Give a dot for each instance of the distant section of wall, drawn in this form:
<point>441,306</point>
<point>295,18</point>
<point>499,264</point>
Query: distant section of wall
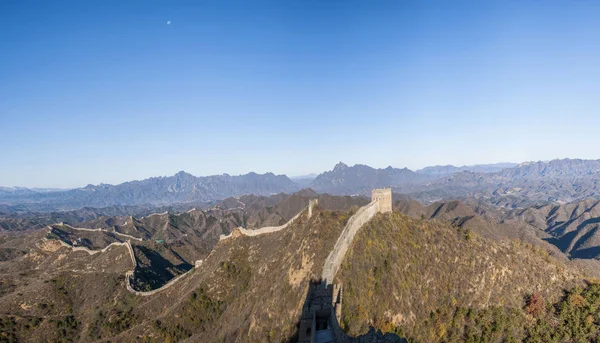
<point>336,256</point>
<point>130,248</point>
<point>270,229</point>
<point>197,264</point>
<point>90,251</point>
<point>130,274</point>
<point>93,252</point>
<point>129,277</point>
<point>312,203</point>
<point>100,230</point>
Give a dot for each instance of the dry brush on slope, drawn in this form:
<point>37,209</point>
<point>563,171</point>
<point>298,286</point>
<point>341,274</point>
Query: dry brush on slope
<point>434,282</point>
<point>401,271</point>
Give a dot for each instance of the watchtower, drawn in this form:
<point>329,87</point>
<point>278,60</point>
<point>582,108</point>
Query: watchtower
<point>383,198</point>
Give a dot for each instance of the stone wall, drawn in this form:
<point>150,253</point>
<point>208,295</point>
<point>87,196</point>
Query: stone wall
<point>323,305</point>
<point>270,229</point>
<point>129,276</point>
<point>312,203</point>
<point>90,251</point>
<point>381,201</point>
<point>130,248</point>
<point>336,256</point>
<point>100,230</point>
<point>382,196</point>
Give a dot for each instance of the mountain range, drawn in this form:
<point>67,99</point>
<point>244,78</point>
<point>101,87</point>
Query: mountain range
<point>503,184</point>
<point>179,188</point>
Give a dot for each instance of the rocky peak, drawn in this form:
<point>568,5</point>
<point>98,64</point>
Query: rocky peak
<point>339,167</point>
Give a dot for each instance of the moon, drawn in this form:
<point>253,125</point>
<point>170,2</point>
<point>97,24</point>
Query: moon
<point>168,22</point>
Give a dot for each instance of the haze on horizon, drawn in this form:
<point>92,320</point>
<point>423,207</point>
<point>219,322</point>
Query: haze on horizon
<point>107,92</point>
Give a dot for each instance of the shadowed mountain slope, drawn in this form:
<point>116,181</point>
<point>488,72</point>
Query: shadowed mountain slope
<point>573,227</point>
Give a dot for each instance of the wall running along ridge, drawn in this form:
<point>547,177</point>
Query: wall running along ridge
<point>93,252</point>
<point>327,297</point>
<point>101,230</point>
<point>336,256</point>
<point>270,229</point>
<point>130,274</point>
<point>256,232</point>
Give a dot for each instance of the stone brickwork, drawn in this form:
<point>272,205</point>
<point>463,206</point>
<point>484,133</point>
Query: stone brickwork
<point>381,202</point>
<point>336,256</point>
<point>383,197</point>
<point>321,315</point>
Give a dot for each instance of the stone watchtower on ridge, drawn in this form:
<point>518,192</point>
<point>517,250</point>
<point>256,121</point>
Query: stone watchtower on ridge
<point>383,198</point>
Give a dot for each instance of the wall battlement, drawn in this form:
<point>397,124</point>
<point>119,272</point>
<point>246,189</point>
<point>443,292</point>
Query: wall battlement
<point>383,198</point>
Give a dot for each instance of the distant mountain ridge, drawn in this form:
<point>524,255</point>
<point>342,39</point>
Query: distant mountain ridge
<point>526,184</point>
<point>562,181</point>
<point>179,188</point>
<point>361,178</point>
<point>478,168</point>
<point>502,184</point>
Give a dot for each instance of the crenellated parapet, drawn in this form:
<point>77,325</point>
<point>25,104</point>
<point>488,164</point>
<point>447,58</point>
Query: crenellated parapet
<point>383,198</point>
<point>269,229</point>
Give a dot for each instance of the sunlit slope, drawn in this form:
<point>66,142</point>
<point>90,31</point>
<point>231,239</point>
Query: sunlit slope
<point>399,271</point>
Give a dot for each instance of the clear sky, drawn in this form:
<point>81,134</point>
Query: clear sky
<point>110,91</point>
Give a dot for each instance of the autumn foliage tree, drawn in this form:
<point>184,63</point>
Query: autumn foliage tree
<point>535,304</point>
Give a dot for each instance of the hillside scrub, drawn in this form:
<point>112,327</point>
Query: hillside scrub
<point>250,289</point>
<point>425,279</point>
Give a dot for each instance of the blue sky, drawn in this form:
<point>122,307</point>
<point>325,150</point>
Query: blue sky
<point>107,91</point>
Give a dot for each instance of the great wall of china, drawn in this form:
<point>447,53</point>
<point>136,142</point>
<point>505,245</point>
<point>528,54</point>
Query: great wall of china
<point>322,310</point>
<point>321,313</point>
<point>270,229</point>
<point>381,202</point>
<point>91,251</point>
<point>130,274</point>
<point>101,230</point>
